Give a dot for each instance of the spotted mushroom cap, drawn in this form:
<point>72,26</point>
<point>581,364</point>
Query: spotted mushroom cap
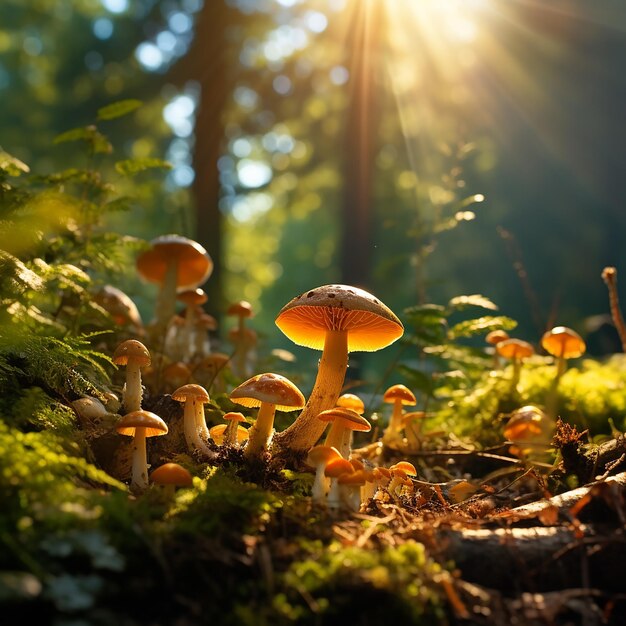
<point>562,341</point>
<point>399,392</point>
<point>270,388</point>
<point>153,424</point>
<point>371,325</point>
<point>131,349</point>
<point>194,263</point>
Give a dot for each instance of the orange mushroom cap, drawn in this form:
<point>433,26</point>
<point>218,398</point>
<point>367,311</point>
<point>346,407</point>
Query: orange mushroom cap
<point>131,350</point>
<point>349,417</point>
<point>514,349</point>
<point>194,263</point>
<point>336,467</point>
<point>370,324</point>
<point>496,336</point>
<point>350,401</point>
<point>119,305</point>
<point>404,466</point>
<point>399,392</point>
<point>191,297</point>
<point>240,309</point>
<point>234,416</point>
<point>153,424</point>
<point>564,342</point>
<point>270,388</point>
<point>322,454</point>
<point>171,474</point>
<point>191,391</point>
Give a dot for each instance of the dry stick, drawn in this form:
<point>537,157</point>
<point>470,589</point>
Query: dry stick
<point>609,275</point>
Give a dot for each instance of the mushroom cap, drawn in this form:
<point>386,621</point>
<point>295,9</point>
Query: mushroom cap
<point>350,401</point>
<point>321,454</point>
<point>153,424</point>
<point>217,433</point>
<point>131,350</point>
<point>270,388</point>
<point>206,321</point>
<point>191,391</point>
<point>336,467</point>
<point>177,370</point>
<point>370,324</point>
<point>171,474</point>
<point>528,423</point>
<point>406,467</point>
<point>194,263</point>
<point>355,478</point>
<point>234,416</point>
<point>514,349</point>
<point>118,305</point>
<point>350,418</point>
<point>399,392</point>
<point>562,341</point>
<point>241,309</point>
<point>192,297</point>
<point>496,336</point>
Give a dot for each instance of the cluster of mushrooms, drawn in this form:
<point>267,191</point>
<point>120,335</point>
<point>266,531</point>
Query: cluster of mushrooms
<point>335,319</point>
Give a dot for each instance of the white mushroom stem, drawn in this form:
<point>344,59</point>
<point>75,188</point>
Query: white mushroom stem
<point>261,431</point>
<point>334,495</point>
<point>395,423</point>
<point>139,471</point>
<point>320,483</point>
<point>133,391</point>
<point>307,429</point>
<point>340,437</point>
<point>166,300</point>
<point>196,431</point>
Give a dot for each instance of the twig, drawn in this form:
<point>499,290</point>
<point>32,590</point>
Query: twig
<point>609,275</point>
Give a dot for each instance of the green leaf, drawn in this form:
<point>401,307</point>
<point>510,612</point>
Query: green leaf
<point>119,205</point>
<point>118,109</point>
<point>130,167</point>
<point>478,326</point>
<point>428,323</point>
<point>11,165</point>
<point>463,302</point>
<point>99,143</point>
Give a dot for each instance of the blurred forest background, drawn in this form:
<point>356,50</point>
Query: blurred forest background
<point>420,149</point>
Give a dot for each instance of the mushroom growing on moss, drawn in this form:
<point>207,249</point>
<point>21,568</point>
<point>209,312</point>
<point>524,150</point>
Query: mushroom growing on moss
<point>269,392</point>
<point>336,319</point>
<point>140,425</point>
<point>563,343</point>
<point>194,398</point>
<point>134,355</point>
<point>170,476</point>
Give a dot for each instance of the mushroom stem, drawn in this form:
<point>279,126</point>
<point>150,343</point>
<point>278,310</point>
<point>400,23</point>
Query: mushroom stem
<point>230,434</point>
<point>132,390</point>
<point>307,429</point>
<point>260,431</point>
<point>320,484</point>
<point>166,300</point>
<point>139,471</point>
<point>395,423</point>
<point>195,427</point>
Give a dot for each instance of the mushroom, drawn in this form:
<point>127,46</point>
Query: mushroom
<point>120,307</point>
<point>231,432</point>
<point>218,434</point>
<point>400,473</point>
<point>134,355</point>
<point>269,392</point>
<point>318,457</point>
<point>170,476</point>
<point>530,430</point>
<point>351,401</point>
<point>201,339</point>
<point>194,425</point>
<point>344,422</point>
<point>193,299</point>
<point>494,338</point>
<point>399,396</point>
<point>173,262</point>
<point>335,468</point>
<point>175,375</point>
<point>350,485</point>
<point>140,425</point>
<point>563,343</point>
<point>412,423</point>
<point>336,319</point>
<point>209,371</point>
<point>517,350</point>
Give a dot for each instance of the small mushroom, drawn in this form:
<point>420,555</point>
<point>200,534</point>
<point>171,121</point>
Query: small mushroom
<point>194,398</point>
<point>343,423</point>
<point>530,431</point>
<point>140,425</point>
<point>517,350</point>
<point>350,485</point>
<point>400,473</point>
<point>351,401</point>
<point>218,434</point>
<point>193,299</point>
<point>318,457</point>
<point>209,371</point>
<point>336,319</point>
<point>120,307</point>
<point>493,339</point>
<point>173,262</point>
<point>399,396</point>
<point>563,343</point>
<point>175,375</point>
<point>170,476</point>
<point>269,392</point>
<point>134,355</point>
<point>334,469</point>
<point>234,418</point>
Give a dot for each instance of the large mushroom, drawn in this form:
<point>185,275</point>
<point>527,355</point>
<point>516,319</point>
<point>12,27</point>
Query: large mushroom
<point>140,425</point>
<point>194,398</point>
<point>173,262</point>
<point>269,392</point>
<point>336,319</point>
<point>134,355</point>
